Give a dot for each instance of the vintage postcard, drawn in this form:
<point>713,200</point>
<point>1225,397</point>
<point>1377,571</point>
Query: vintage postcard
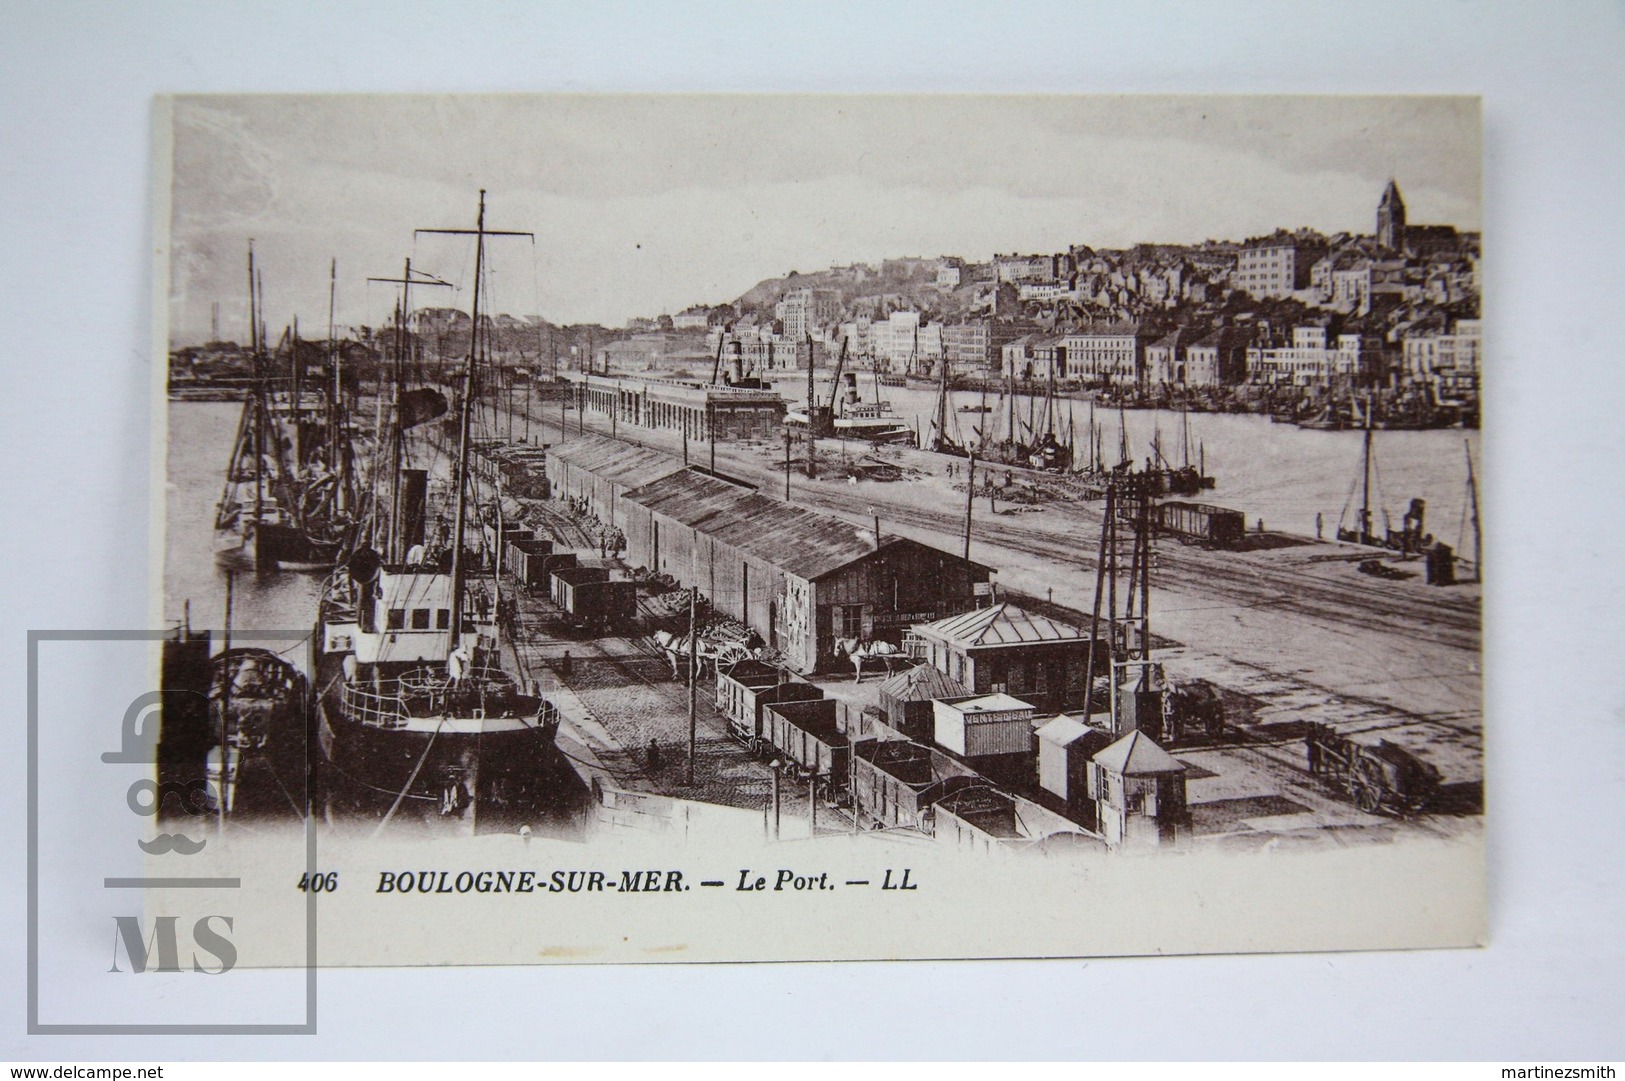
<point>696,528</point>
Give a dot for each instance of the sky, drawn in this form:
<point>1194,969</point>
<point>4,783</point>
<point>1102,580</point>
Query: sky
<point>648,204</point>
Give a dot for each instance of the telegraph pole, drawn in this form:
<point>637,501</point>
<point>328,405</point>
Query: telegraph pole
<point>970,499</point>
<point>693,665</point>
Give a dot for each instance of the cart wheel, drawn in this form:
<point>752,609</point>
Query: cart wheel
<point>1365,799</point>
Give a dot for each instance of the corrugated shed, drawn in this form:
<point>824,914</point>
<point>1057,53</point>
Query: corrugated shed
<point>688,496</point>
<point>1001,625</point>
<point>798,541</point>
<point>921,684</point>
<point>615,461</point>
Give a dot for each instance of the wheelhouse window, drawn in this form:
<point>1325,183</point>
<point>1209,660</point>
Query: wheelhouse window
<point>420,619</point>
<point>396,620</point>
<point>442,620</point>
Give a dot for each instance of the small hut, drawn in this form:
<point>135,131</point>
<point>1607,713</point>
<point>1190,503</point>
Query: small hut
<point>1139,794</point>
<point>905,700</point>
<point>1065,747</point>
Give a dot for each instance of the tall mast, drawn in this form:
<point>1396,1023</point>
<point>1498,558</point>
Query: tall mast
<point>1365,484</point>
<point>942,401</point>
<point>338,457</point>
<point>460,477</point>
<point>1010,405</point>
<point>1472,496</point>
<point>259,388</point>
<point>402,358</point>
<point>811,398</point>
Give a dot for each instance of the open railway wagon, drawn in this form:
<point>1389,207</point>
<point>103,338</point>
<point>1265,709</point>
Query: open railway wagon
<point>1200,523</point>
<point>897,782</point>
<point>1381,777</point>
<point>525,558</point>
<point>553,563</point>
<point>747,687</point>
<point>593,600</point>
<point>805,737</point>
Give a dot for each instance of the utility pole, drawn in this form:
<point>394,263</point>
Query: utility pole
<point>787,465</point>
<point>711,428</point>
<point>225,710</point>
<point>1472,497</point>
<point>970,499</point>
<point>775,767</point>
<point>693,667</point>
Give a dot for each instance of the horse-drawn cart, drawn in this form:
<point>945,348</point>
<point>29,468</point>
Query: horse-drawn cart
<point>1380,777</point>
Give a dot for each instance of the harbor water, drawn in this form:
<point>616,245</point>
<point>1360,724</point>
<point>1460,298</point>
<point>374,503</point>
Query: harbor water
<point>1280,473</point>
<point>200,437</point>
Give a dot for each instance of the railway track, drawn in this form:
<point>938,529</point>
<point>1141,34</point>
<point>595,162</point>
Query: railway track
<point>1243,582</point>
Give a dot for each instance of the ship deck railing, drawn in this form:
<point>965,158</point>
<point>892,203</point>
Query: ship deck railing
<point>427,693</point>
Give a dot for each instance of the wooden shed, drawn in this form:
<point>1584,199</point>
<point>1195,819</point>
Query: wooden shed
<point>799,578</point>
<point>905,700</point>
<point>1065,747</point>
<point>1006,649</point>
<point>1139,794</point>
<point>598,470</point>
<point>991,732</point>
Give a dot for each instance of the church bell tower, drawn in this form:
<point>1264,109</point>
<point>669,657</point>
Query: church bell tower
<point>1391,219</point>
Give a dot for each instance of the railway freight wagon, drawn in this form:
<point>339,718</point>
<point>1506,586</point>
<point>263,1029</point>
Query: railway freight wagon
<point>748,687</point>
<point>1199,523</point>
<point>552,564</point>
<point>526,560</point>
<point>564,580</point>
<point>897,782</point>
<point>805,735</point>
<point>592,600</point>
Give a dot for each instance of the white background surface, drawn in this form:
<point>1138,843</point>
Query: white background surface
<point>75,286</point>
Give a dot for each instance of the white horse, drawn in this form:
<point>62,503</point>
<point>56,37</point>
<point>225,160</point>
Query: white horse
<point>706,652</point>
<point>857,651</point>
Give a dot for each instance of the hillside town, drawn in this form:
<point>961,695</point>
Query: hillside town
<point>884,548</point>
<point>1295,323</point>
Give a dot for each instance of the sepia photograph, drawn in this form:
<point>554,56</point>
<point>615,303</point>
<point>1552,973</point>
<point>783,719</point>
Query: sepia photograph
<point>989,491</point>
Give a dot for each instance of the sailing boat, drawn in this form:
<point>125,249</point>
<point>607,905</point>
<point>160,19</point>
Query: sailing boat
<point>1409,538</point>
<point>289,499</point>
<point>416,704</point>
<point>247,505</point>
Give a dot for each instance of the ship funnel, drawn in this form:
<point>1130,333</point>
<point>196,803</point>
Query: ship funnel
<point>414,501</point>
